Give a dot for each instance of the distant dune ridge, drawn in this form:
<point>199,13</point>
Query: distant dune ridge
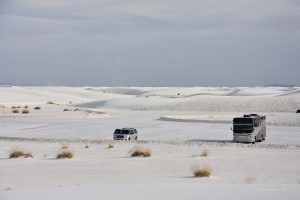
<point>216,99</point>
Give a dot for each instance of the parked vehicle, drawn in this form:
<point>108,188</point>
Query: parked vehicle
<point>249,128</point>
<point>126,134</point>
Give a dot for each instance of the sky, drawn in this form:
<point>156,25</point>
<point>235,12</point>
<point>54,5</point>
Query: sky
<point>150,43</point>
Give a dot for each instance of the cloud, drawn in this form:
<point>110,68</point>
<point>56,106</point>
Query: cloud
<point>157,37</point>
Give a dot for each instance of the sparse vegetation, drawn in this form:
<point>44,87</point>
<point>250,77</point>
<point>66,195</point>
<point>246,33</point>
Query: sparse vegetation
<point>26,106</point>
<point>37,108</point>
<point>66,153</point>
<point>13,107</point>
<point>141,152</point>
<point>110,146</point>
<point>15,110</point>
<point>204,171</point>
<point>25,111</point>
<point>87,146</point>
<point>16,153</point>
<point>67,109</point>
<point>50,102</point>
<point>204,153</point>
<point>76,109</point>
<point>250,179</point>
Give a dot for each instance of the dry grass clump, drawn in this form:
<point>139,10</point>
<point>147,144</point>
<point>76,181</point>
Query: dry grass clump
<point>110,146</point>
<point>50,102</point>
<point>13,107</point>
<point>26,106</point>
<point>76,109</point>
<point>66,109</point>
<point>250,179</point>
<point>15,110</point>
<point>140,151</point>
<point>37,108</point>
<point>16,153</point>
<point>65,154</point>
<point>204,171</point>
<point>25,111</point>
<point>87,146</point>
<point>204,153</point>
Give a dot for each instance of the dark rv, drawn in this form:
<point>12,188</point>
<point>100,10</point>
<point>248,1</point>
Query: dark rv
<point>249,128</point>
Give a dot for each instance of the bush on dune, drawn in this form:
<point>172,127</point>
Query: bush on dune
<point>110,146</point>
<point>204,153</point>
<point>25,111</point>
<point>37,108</point>
<point>65,154</point>
<point>15,110</point>
<point>140,152</point>
<point>16,153</point>
<point>204,171</point>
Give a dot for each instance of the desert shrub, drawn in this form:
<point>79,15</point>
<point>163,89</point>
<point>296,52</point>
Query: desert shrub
<point>204,171</point>
<point>16,153</point>
<point>76,109</point>
<point>140,151</point>
<point>110,146</point>
<point>26,106</point>
<point>25,111</point>
<point>15,110</point>
<point>66,109</point>
<point>65,154</point>
<point>37,108</point>
<point>50,102</point>
<point>250,179</point>
<point>18,106</point>
<point>13,107</point>
<point>204,153</point>
<point>87,146</point>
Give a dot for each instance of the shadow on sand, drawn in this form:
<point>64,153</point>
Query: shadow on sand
<point>209,141</point>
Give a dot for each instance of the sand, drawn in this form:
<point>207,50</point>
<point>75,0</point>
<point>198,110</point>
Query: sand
<point>177,127</point>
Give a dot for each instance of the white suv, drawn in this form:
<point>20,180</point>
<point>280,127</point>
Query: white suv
<point>125,134</point>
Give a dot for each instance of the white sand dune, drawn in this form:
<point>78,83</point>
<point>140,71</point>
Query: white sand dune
<point>216,99</point>
<point>272,166</point>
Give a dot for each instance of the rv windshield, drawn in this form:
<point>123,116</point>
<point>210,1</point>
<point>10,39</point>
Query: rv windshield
<point>242,128</point>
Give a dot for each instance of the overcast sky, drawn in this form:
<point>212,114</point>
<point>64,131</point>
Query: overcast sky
<point>150,42</point>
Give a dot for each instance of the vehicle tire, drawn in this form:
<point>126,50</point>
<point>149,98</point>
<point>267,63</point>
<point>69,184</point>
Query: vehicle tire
<point>129,138</point>
<point>254,141</point>
<point>136,138</point>
<point>262,137</point>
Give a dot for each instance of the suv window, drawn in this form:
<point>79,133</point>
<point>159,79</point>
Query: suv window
<point>125,132</point>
